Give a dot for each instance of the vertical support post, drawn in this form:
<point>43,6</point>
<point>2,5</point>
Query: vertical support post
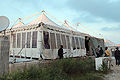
<point>4,56</point>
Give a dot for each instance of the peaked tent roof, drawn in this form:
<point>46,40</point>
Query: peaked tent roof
<point>43,18</point>
<point>19,24</point>
<point>118,44</point>
<point>109,43</point>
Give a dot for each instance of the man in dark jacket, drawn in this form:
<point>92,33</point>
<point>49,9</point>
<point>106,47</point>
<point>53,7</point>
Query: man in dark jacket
<point>60,52</point>
<point>101,51</point>
<point>117,56</point>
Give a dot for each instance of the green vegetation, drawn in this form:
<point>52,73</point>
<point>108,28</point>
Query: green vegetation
<point>104,68</point>
<point>65,69</point>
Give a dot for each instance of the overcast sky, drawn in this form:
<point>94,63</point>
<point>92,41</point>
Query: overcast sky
<point>101,17</point>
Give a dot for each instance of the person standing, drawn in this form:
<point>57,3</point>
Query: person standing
<point>101,51</point>
<point>112,51</point>
<point>97,51</point>
<point>87,39</point>
<point>117,56</point>
<point>60,52</point>
<point>107,53</point>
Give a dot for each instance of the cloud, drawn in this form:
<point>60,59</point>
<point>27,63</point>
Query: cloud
<point>112,36</point>
<point>88,18</point>
<point>107,9</point>
<point>111,28</point>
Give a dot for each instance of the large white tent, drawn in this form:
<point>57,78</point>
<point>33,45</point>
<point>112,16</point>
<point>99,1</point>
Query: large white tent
<point>28,40</point>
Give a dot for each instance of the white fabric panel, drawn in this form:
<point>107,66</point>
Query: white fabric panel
<point>19,24</point>
<point>43,18</point>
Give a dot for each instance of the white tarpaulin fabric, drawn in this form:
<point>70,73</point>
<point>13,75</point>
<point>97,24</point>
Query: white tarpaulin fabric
<point>19,24</point>
<point>43,18</point>
<point>94,42</point>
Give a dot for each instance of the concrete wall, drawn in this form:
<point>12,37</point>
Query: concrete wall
<point>4,56</point>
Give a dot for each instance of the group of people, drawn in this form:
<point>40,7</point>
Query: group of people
<point>100,53</point>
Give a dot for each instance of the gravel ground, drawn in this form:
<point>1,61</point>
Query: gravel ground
<point>115,73</point>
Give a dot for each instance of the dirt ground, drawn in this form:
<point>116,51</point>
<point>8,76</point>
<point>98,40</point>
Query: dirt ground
<point>115,73</point>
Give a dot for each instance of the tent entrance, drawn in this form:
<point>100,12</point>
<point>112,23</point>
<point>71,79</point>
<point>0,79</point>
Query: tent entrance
<point>87,45</point>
